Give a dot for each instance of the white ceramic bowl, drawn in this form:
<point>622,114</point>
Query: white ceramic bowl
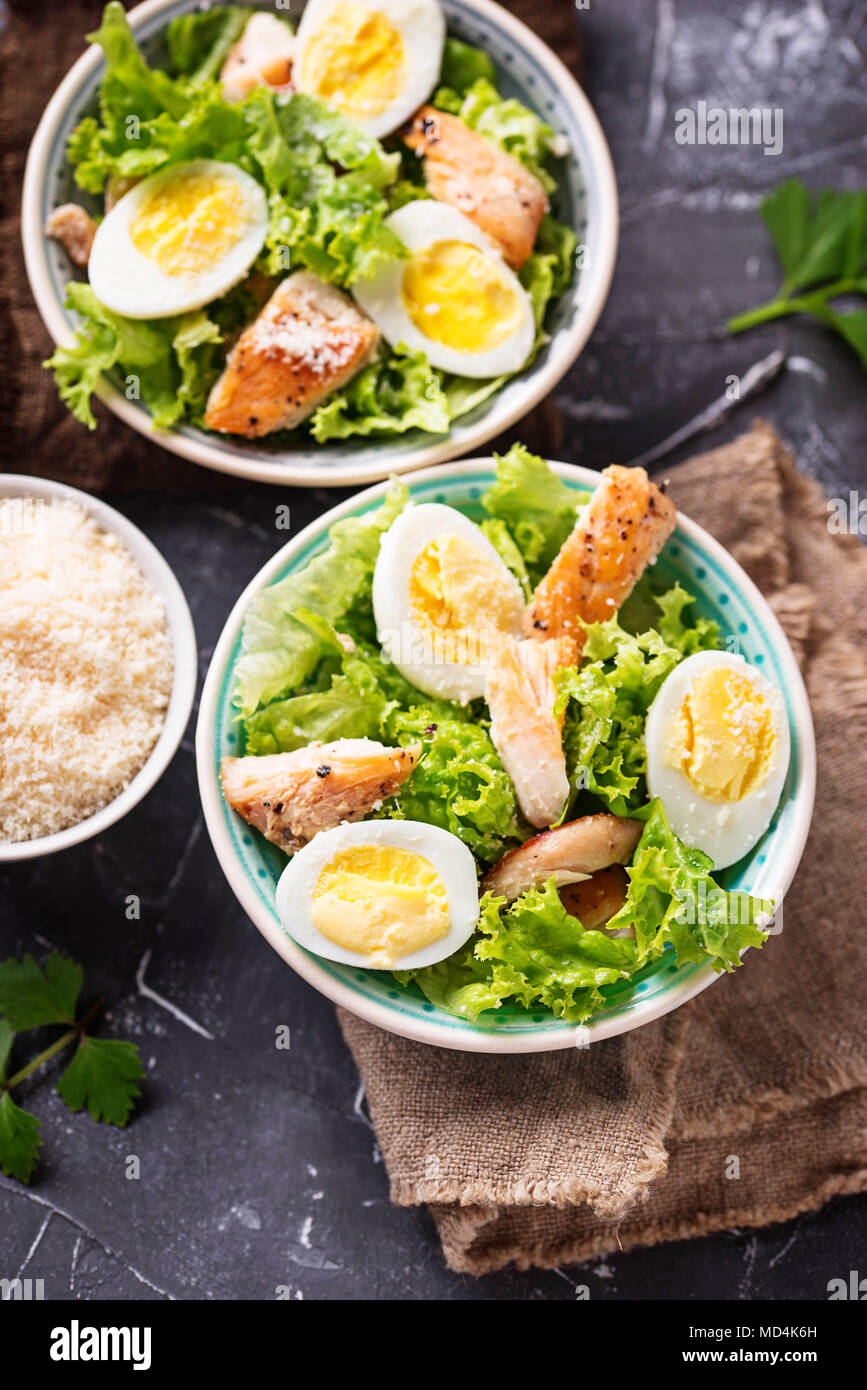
<point>252,866</point>
<point>588,196</point>
<point>162,580</point>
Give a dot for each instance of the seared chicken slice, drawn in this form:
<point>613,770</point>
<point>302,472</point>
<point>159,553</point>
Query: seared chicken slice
<point>621,531</point>
<point>308,341</point>
<point>482,181</point>
<point>290,797</point>
<point>74,229</point>
<point>595,900</point>
<point>568,854</point>
<point>520,695</point>
<point>262,57</point>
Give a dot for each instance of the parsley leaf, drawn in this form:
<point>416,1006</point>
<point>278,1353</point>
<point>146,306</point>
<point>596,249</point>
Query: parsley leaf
<point>7,1034</point>
<point>102,1076</point>
<point>822,245</point>
<point>31,997</point>
<point>19,1139</point>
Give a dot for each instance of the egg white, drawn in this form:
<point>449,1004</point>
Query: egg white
<point>422,27</point>
<point>447,854</point>
<point>404,641</point>
<point>726,830</point>
<point>129,283</point>
<point>419,225</point>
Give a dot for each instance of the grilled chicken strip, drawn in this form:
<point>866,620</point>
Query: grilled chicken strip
<point>482,181</point>
<point>262,56</point>
<point>308,341</point>
<point>290,797</point>
<point>524,731</point>
<point>622,529</point>
<point>568,854</point>
<point>595,901</point>
<point>75,229</point>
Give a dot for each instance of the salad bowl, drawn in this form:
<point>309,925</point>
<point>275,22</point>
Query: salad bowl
<point>723,593</point>
<point>587,202</point>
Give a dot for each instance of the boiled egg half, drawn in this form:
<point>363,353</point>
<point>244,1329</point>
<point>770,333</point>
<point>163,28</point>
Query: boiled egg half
<point>178,240</point>
<point>454,298</point>
<point>439,590</point>
<point>387,895</point>
<point>377,61</point>
<point>717,742</point>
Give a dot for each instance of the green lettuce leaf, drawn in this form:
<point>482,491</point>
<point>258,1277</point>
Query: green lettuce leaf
<point>105,340</point>
<point>168,364</point>
<point>460,783</point>
<point>460,984</point>
<point>398,392</point>
<point>343,239</point>
<point>501,539</point>
<point>194,344</point>
<point>548,270</point>
<point>537,506</point>
<point>464,64</point>
<point>697,634</point>
<point>673,898</point>
<point>612,691</point>
<point>331,223</point>
<point>353,706</point>
<point>463,393</point>
<point>534,953</point>
<point>314,133</point>
<point>199,42</point>
<point>146,117</point>
<point>129,85</point>
<point>279,651</point>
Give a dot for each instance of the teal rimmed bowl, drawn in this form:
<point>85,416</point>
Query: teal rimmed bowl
<point>252,866</point>
<point>586,199</point>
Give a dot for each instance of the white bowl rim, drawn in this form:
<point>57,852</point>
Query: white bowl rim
<point>159,575</point>
<point>540,383</point>
<point>430,1031</point>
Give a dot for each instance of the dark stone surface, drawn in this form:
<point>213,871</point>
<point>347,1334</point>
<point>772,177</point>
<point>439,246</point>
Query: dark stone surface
<point>259,1168</point>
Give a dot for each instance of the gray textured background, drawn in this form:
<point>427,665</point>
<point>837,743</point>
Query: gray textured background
<point>260,1168</point>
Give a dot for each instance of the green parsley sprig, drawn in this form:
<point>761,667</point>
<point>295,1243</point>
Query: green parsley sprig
<point>101,1077</point>
<point>822,245</point>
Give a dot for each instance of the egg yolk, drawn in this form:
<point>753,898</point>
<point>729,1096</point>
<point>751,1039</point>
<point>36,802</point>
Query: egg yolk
<point>459,297</point>
<point>722,737</point>
<point>381,901</point>
<point>189,223</point>
<point>456,594</point>
<point>355,61</point>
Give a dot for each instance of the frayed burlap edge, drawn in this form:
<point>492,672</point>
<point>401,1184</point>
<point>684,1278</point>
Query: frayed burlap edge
<point>542,1255</point>
<point>461,1191</point>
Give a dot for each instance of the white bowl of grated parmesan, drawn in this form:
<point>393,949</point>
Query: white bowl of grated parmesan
<point>98,666</point>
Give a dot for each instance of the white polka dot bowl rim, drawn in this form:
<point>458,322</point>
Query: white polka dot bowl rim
<point>158,574</point>
<point>588,202</point>
<point>252,866</point>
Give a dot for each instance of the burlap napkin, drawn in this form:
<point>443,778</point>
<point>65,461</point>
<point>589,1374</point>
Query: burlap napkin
<point>748,1105</point>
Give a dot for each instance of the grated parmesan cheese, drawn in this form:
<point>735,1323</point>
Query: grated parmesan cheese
<point>86,667</point>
